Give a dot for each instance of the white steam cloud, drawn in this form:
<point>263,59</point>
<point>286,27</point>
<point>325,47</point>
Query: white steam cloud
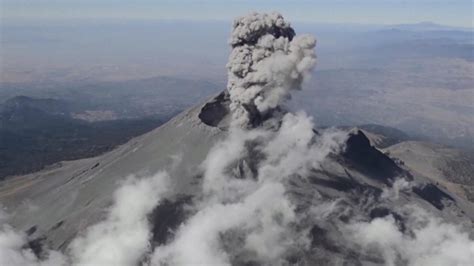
<point>251,205</point>
<point>393,192</point>
<point>431,241</point>
<point>14,251</point>
<point>123,237</point>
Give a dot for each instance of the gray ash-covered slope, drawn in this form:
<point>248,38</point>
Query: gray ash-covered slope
<point>75,194</point>
<point>54,205</point>
<point>450,167</point>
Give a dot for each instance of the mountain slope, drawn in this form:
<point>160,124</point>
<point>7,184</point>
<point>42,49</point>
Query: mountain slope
<point>35,133</point>
<point>56,204</point>
<point>85,187</point>
<point>447,166</point>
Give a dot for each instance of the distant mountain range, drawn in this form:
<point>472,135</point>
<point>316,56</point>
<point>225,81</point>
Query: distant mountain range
<point>428,26</point>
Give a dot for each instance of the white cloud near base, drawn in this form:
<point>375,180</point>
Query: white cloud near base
<point>14,250</point>
<point>429,242</point>
<point>252,206</point>
<point>124,236</point>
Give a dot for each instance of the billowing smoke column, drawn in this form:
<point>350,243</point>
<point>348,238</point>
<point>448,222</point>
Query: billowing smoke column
<point>244,213</point>
<point>267,62</point>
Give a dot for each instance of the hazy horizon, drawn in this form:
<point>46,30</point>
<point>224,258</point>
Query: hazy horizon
<point>453,13</point>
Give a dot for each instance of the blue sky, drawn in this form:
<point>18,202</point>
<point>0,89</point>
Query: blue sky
<point>448,12</point>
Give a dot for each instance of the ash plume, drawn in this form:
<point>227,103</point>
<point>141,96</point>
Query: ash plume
<point>246,174</point>
<point>267,62</point>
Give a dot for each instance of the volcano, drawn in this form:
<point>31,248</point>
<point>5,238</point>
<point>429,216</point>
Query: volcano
<point>244,181</point>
